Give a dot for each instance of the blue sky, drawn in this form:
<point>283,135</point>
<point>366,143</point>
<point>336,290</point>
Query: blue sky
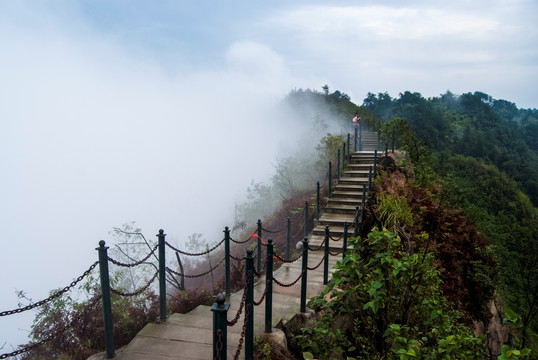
<point>159,112</point>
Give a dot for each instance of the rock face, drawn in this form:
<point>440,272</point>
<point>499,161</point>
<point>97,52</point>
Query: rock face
<point>293,327</point>
<point>497,333</point>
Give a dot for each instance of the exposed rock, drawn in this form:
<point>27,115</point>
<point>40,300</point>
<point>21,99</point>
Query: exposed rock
<point>498,333</point>
<point>293,327</point>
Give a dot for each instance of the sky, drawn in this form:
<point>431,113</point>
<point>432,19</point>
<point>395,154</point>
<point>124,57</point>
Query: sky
<point>161,112</point>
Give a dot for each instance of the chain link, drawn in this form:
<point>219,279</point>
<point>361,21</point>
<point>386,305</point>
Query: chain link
<point>318,247</point>
<point>136,292</point>
<point>336,253</point>
<point>241,305</point>
<point>243,332</point>
<point>336,239</point>
<point>236,258</point>
<point>258,303</point>
<point>193,254</point>
<point>116,262</point>
<point>318,265</point>
<point>196,276</point>
<point>274,231</point>
<point>219,344</point>
<point>288,261</point>
<point>53,296</point>
<point>241,242</point>
<point>290,284</point>
<point>27,348</point>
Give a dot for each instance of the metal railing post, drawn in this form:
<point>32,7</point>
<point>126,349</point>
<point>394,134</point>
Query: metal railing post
<point>249,304</point>
<point>356,229</point>
<point>220,327</point>
<point>338,166</point>
<point>343,157</point>
<point>344,245</point>
<point>330,178</point>
<point>269,286</point>
<point>304,278</point>
<point>305,232</point>
<point>370,178</point>
<point>363,204</point>
<point>317,200</point>
<point>326,257</point>
<point>162,274</point>
<point>259,260</point>
<point>227,259</point>
<point>107,303</point>
<point>288,238</point>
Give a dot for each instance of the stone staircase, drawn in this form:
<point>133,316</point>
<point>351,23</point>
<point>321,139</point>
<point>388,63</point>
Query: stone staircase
<point>190,336</point>
<point>346,196</point>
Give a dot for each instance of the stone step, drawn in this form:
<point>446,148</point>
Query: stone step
<point>336,243</point>
<point>356,195</point>
<point>358,180</point>
<point>335,230</point>
<point>341,209</point>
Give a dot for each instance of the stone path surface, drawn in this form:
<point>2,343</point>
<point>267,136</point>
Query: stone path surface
<point>190,336</point>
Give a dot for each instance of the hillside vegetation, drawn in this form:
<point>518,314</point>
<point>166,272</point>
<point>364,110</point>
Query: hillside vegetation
<point>466,194</point>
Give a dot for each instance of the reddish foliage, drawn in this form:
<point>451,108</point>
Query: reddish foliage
<point>466,269</point>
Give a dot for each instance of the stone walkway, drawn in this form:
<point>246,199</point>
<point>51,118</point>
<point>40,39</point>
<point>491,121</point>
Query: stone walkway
<point>190,336</point>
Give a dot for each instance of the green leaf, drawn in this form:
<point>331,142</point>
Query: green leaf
<point>308,355</point>
<point>376,284</point>
<point>525,351</point>
<point>411,352</point>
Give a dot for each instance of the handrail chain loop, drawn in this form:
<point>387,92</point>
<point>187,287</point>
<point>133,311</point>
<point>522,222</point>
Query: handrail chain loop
<point>193,254</point>
<point>116,262</point>
<point>53,296</point>
<point>136,292</point>
<point>318,265</point>
<point>290,284</point>
<point>198,275</point>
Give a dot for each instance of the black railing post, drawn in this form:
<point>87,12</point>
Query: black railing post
<point>338,166</point>
<point>326,257</point>
<point>370,178</point>
<point>343,157</point>
<point>363,204</point>
<point>259,232</point>
<point>269,286</point>
<point>330,179</point>
<point>317,200</point>
<point>375,163</point>
<point>356,229</point>
<point>227,259</point>
<point>305,232</point>
<point>344,245</point>
<point>107,303</point>
<point>304,276</point>
<point>356,138</point>
<point>288,239</point>
<point>220,327</point>
<point>162,274</point>
<point>249,305</point>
